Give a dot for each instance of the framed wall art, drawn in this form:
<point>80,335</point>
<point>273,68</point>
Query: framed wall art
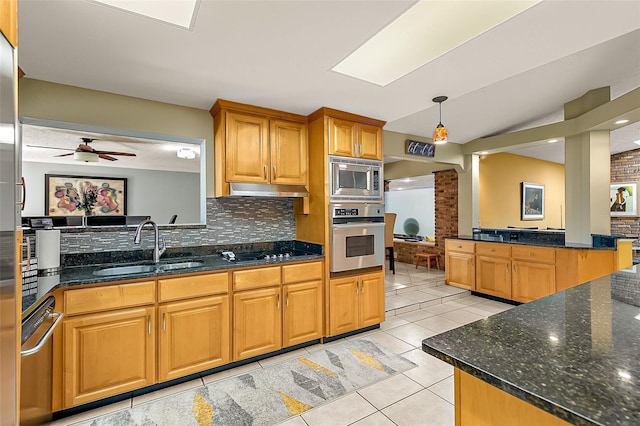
<point>532,201</point>
<point>84,195</point>
<point>622,199</point>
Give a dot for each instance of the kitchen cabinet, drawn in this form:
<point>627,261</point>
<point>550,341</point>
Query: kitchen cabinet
<point>258,145</point>
<point>356,301</point>
<point>302,310</point>
<point>459,263</point>
<point>193,324</point>
<point>257,322</point>
<point>533,273</point>
<point>352,139</point>
<point>9,21</point>
<point>493,269</point>
<point>108,353</point>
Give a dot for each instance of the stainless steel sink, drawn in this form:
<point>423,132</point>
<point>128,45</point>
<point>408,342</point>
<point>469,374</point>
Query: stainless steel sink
<point>179,265</point>
<point>140,269</point>
<point>125,270</point>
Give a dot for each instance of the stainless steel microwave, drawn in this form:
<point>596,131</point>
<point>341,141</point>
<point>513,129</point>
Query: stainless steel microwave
<point>354,179</point>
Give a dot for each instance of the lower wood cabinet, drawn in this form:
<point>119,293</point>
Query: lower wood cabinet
<point>257,322</point>
<point>108,353</point>
<point>302,312</point>
<point>532,281</point>
<point>459,264</point>
<point>355,302</point>
<point>193,336</point>
<point>493,276</point>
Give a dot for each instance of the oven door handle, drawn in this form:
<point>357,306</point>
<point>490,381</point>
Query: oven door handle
<point>358,225</point>
<point>45,336</point>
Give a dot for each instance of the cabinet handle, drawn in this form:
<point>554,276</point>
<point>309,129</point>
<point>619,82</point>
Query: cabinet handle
<point>278,301</point>
<point>357,284</point>
<point>274,172</point>
<point>287,301</point>
<point>164,321</point>
<point>507,268</point>
<point>149,324</point>
<point>361,287</point>
<point>360,153</point>
<point>24,193</point>
<point>264,171</point>
<point>514,268</point>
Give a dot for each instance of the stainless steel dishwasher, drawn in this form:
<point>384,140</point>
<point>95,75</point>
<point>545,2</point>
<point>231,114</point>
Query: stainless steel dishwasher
<point>36,371</point>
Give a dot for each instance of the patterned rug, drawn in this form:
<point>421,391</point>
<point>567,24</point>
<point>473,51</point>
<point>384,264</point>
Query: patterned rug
<point>270,395</point>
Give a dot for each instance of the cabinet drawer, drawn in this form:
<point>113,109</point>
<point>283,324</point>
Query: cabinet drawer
<point>302,272</point>
<point>108,297</point>
<point>535,254</point>
<point>194,286</point>
<point>460,246</point>
<point>256,278</point>
<point>493,249</point>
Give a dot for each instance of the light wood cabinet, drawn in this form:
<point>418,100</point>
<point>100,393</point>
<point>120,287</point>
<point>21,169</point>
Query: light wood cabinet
<point>534,273</point>
<point>355,302</point>
<point>258,145</point>
<point>108,353</point>
<point>257,322</point>
<point>352,139</point>
<point>9,21</point>
<point>493,269</point>
<point>302,313</point>
<point>193,324</point>
<point>459,263</point>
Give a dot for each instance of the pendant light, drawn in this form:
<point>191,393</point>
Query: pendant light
<point>440,132</point>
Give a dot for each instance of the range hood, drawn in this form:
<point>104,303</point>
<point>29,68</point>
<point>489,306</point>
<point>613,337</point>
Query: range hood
<point>264,190</point>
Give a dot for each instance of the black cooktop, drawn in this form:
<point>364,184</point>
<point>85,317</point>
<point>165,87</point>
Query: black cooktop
<point>261,255</point>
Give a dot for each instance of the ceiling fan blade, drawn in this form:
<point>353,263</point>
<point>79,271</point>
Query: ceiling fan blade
<point>85,148</point>
<point>107,157</point>
<point>128,154</point>
<point>49,147</point>
<point>64,155</point>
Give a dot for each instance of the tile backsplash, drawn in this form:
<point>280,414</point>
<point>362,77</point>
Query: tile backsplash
<point>229,221</point>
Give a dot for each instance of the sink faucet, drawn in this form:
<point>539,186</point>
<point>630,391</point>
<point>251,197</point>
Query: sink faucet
<point>159,246</point>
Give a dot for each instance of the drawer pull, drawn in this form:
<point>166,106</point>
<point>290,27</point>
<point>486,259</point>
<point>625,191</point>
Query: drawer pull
<point>531,254</point>
<point>459,247</point>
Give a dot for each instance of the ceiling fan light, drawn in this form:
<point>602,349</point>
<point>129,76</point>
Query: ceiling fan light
<point>87,157</point>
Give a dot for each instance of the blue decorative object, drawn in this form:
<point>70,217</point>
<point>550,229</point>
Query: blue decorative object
<point>411,226</point>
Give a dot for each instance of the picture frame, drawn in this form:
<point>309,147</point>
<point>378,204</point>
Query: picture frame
<point>531,201</point>
<point>69,195</point>
<point>623,199</point>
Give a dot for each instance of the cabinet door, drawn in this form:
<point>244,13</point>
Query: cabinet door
<point>247,151</point>
<point>370,141</point>
<point>193,336</point>
<point>107,353</point>
<point>342,137</point>
<point>302,312</point>
<point>9,21</point>
<point>288,152</point>
<point>343,305</point>
<point>493,276</point>
<point>531,281</point>
<point>257,322</point>
<point>371,299</point>
<point>460,270</point>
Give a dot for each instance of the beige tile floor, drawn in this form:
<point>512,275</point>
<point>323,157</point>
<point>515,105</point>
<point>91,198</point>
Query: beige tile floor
<point>418,305</point>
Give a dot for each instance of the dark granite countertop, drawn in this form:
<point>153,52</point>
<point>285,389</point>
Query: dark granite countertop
<point>540,243</point>
<point>575,354</point>
<point>79,269</point>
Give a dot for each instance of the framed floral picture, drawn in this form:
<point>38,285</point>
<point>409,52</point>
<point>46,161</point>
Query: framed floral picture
<point>532,201</point>
<point>623,199</point>
<point>84,196</point>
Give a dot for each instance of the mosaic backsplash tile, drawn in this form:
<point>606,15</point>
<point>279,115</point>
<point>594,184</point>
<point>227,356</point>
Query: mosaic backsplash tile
<point>229,221</point>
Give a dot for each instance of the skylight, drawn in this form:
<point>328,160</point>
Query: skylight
<point>176,12</point>
<point>426,31</point>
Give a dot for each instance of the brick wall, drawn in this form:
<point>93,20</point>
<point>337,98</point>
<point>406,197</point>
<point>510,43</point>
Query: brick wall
<point>625,167</point>
<point>446,208</point>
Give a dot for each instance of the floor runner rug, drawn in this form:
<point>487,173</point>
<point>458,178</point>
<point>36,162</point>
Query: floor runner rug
<point>269,395</point>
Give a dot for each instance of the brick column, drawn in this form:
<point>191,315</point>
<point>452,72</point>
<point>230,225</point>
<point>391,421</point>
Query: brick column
<point>446,208</point>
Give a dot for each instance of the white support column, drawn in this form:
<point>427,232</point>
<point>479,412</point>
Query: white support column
<point>468,195</point>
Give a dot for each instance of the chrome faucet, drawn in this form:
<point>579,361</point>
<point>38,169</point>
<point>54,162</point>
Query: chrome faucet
<point>159,246</point>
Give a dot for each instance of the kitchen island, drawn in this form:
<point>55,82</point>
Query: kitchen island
<point>571,357</point>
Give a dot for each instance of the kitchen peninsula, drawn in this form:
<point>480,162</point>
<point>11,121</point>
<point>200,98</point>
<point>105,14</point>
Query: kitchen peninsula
<point>571,357</point>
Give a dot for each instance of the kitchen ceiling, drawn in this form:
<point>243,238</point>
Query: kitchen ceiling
<point>279,54</point>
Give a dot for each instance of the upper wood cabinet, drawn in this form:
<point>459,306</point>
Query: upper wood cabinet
<point>352,139</point>
<point>258,145</point>
<point>9,20</point>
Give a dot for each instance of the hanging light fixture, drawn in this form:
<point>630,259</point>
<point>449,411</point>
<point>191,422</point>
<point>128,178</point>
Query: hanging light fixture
<point>440,133</point>
<point>86,156</point>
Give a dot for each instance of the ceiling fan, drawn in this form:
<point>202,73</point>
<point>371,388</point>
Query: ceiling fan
<point>86,153</point>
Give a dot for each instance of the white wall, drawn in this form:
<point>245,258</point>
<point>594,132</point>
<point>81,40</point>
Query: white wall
<point>416,203</point>
<point>160,194</point>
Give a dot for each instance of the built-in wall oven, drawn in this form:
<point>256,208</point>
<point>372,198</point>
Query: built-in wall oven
<point>357,236</point>
<point>355,180</point>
